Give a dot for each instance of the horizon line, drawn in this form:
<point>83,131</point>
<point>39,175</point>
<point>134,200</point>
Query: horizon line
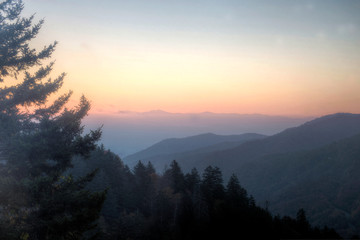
<point>160,111</point>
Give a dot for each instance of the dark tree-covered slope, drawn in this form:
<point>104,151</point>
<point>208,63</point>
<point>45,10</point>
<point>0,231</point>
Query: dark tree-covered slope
<point>325,182</point>
<point>297,167</point>
<point>142,204</point>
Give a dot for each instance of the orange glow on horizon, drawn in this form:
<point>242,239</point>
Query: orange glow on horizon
<point>214,63</point>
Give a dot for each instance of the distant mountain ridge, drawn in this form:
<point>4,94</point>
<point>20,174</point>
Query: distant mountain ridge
<point>314,165</point>
<point>127,132</point>
<point>177,145</point>
<point>310,135</point>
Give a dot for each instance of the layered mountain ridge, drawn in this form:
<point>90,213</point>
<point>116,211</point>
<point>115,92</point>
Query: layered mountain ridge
<point>312,166</point>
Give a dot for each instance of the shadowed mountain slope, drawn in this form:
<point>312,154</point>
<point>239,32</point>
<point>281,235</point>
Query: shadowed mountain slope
<point>324,181</point>
<point>126,133</point>
<point>230,157</point>
<point>169,148</point>
<point>311,135</point>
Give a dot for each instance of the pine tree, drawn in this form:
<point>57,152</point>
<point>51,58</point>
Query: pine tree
<point>236,195</point>
<point>212,192</point>
<point>38,140</point>
<point>144,188</point>
<point>212,184</point>
<point>302,223</point>
<point>192,181</point>
<point>175,177</point>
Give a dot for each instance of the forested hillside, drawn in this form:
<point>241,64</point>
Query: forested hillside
<point>309,167</point>
<point>142,204</point>
<point>323,181</point>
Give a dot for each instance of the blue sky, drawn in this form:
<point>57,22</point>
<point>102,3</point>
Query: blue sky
<point>221,56</point>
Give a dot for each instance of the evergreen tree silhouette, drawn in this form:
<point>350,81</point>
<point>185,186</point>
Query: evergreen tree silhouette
<point>38,139</point>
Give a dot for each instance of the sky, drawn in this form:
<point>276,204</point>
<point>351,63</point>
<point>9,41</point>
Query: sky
<point>280,57</point>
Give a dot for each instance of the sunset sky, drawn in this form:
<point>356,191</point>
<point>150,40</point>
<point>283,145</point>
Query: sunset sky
<point>270,57</point>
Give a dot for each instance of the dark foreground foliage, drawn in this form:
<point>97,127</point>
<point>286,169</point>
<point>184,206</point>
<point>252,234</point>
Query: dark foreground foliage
<point>142,204</point>
<point>39,137</point>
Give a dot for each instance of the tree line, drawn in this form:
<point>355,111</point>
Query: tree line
<point>143,204</point>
